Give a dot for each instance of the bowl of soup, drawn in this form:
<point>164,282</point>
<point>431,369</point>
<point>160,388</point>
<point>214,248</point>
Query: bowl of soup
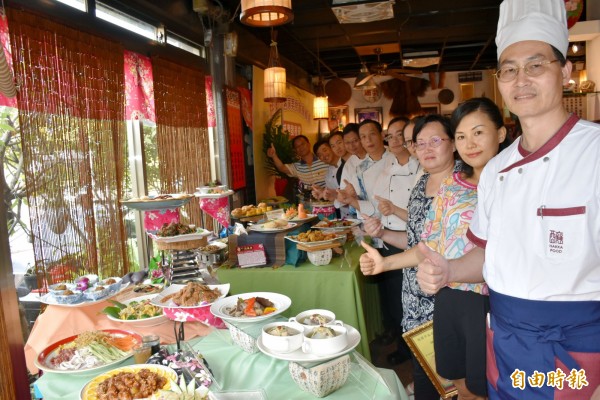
<point>325,340</point>
<point>315,317</point>
<point>282,337</point>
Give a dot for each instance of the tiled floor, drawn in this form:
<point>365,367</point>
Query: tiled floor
<point>379,355</point>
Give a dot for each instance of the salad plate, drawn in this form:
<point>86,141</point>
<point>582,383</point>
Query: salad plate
<point>137,321</point>
<point>221,307</point>
<point>44,359</point>
<point>199,234</point>
<point>300,356</point>
<point>158,300</point>
<point>88,392</point>
<point>263,228</point>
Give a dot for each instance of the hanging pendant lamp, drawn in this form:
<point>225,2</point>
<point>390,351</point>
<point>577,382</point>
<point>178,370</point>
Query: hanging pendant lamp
<point>275,79</point>
<point>265,13</point>
<point>321,102</point>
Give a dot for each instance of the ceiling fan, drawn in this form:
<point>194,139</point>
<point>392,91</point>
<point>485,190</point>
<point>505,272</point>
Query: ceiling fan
<point>382,69</point>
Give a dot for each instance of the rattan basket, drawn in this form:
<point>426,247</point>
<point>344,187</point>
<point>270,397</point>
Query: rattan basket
<point>183,245</point>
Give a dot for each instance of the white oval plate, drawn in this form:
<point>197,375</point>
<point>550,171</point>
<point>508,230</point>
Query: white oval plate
<point>43,361</point>
<point>199,234</point>
<point>141,323</point>
<point>157,301</point>
<point>219,307</point>
<point>293,239</point>
<point>300,356</point>
<point>354,222</point>
<point>261,228</point>
<point>308,218</point>
<point>49,299</point>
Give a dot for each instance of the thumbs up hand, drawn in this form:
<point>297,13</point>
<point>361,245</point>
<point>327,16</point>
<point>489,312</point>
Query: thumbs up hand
<point>371,262</point>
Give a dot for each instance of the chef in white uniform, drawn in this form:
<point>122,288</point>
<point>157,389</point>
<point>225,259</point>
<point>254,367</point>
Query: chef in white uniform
<point>537,223</point>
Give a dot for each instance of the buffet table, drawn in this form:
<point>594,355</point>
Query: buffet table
<point>235,370</point>
<point>342,289</point>
<point>58,322</point>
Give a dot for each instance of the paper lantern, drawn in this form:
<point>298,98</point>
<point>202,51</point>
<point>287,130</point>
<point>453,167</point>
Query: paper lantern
<point>264,13</point>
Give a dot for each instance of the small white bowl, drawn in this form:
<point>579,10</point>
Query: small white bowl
<point>94,294</point>
<point>328,345</point>
<point>283,344</point>
<point>327,318</point>
<point>112,287</point>
<point>60,287</point>
<point>68,298</point>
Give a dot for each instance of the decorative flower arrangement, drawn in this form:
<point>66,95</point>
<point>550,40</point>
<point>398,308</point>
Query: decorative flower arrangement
<point>155,270</point>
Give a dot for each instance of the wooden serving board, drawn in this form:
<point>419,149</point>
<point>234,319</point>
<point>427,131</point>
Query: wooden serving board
<point>318,247</point>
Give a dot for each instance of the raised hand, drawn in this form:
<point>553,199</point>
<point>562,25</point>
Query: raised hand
<point>385,207</point>
<point>372,226</point>
<point>434,270</point>
<point>271,152</point>
<point>371,262</point>
<point>350,188</point>
<point>317,191</point>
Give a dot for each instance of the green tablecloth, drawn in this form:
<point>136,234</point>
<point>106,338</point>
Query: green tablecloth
<point>236,370</point>
<point>342,289</point>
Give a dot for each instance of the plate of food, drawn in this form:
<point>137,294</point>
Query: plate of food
<point>77,299</point>
<point>150,378</point>
<point>191,295</point>
<point>177,232</point>
<point>278,225</point>
<point>313,238</point>
<point>250,210</point>
<point>337,224</point>
<point>158,202</point>
<point>300,356</point>
<point>88,352</point>
<point>250,307</point>
<point>137,312</point>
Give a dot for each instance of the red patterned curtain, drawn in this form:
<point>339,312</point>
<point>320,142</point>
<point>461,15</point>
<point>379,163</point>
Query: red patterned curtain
<point>139,87</point>
<point>73,135</point>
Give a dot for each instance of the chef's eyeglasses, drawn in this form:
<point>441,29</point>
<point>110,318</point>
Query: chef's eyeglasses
<point>434,142</point>
<point>533,68</point>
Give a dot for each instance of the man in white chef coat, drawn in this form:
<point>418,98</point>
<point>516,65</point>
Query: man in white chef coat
<point>537,223</point>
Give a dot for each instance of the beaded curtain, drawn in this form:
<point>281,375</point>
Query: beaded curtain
<point>71,112</point>
<point>182,133</point>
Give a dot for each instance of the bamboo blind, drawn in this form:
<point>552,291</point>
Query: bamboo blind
<point>71,112</point>
<point>181,131</point>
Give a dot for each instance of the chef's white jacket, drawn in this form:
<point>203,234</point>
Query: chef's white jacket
<point>538,217</point>
<point>391,181</point>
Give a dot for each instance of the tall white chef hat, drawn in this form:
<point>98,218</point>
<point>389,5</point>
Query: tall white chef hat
<point>543,20</point>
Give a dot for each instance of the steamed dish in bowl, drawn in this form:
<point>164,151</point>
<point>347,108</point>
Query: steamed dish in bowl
<point>322,332</point>
<point>316,319</point>
<point>282,330</point>
<point>282,337</point>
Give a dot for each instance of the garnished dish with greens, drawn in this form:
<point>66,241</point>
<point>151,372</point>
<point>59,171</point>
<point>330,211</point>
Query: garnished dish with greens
<point>88,350</point>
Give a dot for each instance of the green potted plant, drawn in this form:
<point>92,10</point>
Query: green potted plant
<point>30,277</point>
<point>282,141</point>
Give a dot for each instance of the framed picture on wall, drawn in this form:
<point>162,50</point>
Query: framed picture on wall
<point>431,108</point>
<point>338,117</point>
<point>467,91</point>
<point>374,113</point>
